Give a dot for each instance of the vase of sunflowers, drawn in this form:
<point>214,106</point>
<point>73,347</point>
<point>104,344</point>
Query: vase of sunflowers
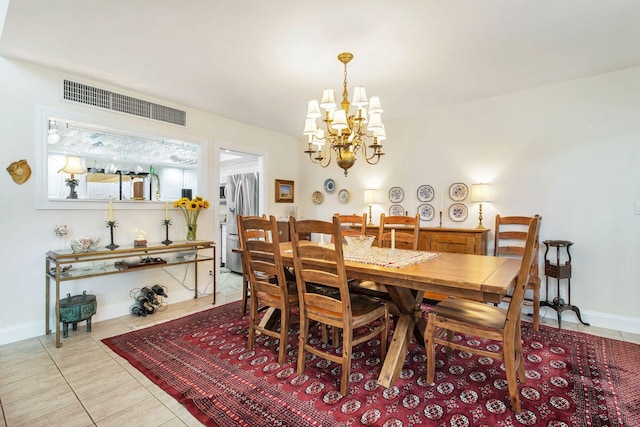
<point>191,209</point>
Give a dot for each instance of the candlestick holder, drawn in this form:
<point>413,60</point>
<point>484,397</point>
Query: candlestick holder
<point>166,223</point>
<point>440,219</point>
<point>111,225</point>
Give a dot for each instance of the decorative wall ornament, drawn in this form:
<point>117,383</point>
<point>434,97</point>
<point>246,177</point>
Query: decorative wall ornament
<point>19,171</point>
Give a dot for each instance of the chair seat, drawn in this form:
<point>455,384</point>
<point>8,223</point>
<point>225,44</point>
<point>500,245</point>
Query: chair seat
<point>362,304</point>
<point>369,286</point>
<point>292,289</point>
<point>483,315</point>
<point>323,290</point>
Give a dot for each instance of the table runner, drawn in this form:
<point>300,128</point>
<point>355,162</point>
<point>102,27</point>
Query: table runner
<point>386,257</point>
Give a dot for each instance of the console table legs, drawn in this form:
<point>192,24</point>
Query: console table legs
<point>564,307</point>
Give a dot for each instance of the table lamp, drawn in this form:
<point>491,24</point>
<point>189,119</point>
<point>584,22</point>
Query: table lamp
<point>480,193</point>
<point>370,198</point>
<point>73,165</point>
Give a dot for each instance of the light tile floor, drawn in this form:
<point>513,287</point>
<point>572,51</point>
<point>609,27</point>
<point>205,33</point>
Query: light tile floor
<point>83,383</point>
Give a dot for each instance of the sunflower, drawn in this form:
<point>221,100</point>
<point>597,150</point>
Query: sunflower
<point>191,209</point>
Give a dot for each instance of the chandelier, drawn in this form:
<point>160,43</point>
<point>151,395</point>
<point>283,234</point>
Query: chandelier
<point>343,133</point>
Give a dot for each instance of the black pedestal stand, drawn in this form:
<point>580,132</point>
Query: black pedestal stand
<point>559,271</point>
<point>111,225</point>
<point>166,223</point>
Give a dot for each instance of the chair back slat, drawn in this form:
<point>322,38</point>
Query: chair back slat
<point>407,230</point>
<point>262,258</point>
<point>525,274</point>
<point>511,235</point>
<point>319,264</point>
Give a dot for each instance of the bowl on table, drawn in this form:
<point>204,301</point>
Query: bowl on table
<point>359,244</point>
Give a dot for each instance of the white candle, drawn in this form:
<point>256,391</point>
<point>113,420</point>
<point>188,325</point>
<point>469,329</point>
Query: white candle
<point>441,205</point>
<point>393,238</point>
<point>110,211</point>
<point>166,211</point>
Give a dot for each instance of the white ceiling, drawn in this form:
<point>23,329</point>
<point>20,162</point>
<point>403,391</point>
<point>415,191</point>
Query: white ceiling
<point>260,61</point>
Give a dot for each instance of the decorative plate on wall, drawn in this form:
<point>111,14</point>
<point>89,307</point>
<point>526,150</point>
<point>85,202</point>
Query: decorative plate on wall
<point>458,212</point>
<point>396,210</point>
<point>458,191</point>
<point>329,185</point>
<point>426,212</point>
<point>317,197</point>
<point>425,193</point>
<point>396,194</point>
<point>344,196</point>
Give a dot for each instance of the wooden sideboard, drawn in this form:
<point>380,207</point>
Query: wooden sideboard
<point>456,240</point>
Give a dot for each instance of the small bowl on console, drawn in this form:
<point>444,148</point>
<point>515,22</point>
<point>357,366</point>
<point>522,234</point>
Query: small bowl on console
<point>85,244</point>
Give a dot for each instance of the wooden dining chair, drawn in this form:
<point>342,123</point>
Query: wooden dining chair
<point>487,321</point>
<point>263,263</point>
<point>250,235</point>
<point>324,264</point>
<point>407,230</point>
<point>353,225</point>
<point>510,238</point>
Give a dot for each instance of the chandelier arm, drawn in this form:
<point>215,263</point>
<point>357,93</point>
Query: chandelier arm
<point>325,152</point>
<point>376,153</point>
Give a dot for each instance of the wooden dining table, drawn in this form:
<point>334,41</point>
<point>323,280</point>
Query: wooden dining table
<point>478,277</point>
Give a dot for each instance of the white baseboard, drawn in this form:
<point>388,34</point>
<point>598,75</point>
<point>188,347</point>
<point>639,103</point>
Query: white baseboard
<point>594,318</point>
<point>600,320</point>
<point>21,332</point>
<point>37,328</point>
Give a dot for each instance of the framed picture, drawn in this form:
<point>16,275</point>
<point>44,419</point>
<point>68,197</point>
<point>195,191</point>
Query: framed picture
<point>284,191</point>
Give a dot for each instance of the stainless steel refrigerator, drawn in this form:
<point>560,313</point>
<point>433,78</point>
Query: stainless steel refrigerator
<point>242,199</point>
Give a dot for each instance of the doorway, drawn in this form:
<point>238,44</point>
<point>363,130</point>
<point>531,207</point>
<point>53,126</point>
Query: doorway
<point>237,169</point>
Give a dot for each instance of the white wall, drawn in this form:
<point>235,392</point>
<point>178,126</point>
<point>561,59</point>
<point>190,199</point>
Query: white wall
<point>27,232</point>
<point>570,152</point>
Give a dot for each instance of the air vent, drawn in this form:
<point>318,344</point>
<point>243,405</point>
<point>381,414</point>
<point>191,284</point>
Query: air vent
<point>89,95</point>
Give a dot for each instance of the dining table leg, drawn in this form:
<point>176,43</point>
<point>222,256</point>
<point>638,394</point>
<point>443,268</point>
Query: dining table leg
<point>409,321</point>
<point>270,319</point>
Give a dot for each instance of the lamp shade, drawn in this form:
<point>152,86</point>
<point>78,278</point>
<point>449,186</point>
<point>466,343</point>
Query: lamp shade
<point>340,120</point>
<point>73,165</point>
<point>313,110</point>
<point>328,101</point>
<point>310,127</point>
<point>480,193</point>
<point>359,97</point>
<point>369,196</point>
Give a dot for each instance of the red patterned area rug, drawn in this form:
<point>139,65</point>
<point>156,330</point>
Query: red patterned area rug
<point>573,379</point>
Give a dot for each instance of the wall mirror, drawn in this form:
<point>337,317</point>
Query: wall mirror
<point>88,162</point>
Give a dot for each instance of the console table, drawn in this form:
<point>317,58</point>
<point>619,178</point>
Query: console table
<point>64,265</point>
